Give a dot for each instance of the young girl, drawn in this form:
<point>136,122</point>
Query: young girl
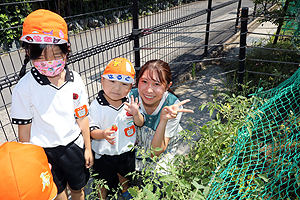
<point>49,103</point>
<point>161,108</point>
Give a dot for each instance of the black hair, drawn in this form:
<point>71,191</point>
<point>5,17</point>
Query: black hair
<point>34,51</point>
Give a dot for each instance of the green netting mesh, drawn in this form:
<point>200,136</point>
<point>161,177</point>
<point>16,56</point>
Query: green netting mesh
<point>265,162</point>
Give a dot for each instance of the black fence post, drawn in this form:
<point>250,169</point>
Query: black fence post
<point>243,37</point>
<point>135,34</point>
<point>207,27</point>
<point>238,15</point>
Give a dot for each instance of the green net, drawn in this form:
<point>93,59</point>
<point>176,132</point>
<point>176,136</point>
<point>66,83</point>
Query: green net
<point>265,162</point>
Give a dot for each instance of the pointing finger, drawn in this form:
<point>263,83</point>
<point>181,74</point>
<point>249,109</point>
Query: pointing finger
<point>183,102</point>
<point>185,110</point>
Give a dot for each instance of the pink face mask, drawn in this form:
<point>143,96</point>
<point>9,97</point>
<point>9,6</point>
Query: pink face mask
<point>50,68</point>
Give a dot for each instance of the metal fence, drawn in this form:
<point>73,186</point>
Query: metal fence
<point>179,32</point>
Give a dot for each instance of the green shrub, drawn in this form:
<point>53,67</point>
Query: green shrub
<point>190,176</point>
<point>11,19</point>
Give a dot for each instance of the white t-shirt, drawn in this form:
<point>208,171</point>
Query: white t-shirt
<point>50,109</point>
<point>102,115</point>
<point>146,132</point>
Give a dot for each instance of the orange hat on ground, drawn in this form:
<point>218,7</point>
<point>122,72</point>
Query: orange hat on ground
<point>25,173</point>
<point>119,69</point>
<point>44,27</point>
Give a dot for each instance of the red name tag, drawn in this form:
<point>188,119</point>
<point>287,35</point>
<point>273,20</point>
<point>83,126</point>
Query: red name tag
<point>81,111</point>
<point>130,131</point>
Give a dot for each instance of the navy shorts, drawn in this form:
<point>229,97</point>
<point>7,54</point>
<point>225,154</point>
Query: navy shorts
<point>68,166</point>
<point>108,166</point>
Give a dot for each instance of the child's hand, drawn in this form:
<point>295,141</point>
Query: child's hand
<point>106,134</point>
<point>170,112</point>
<point>89,159</point>
<point>133,107</point>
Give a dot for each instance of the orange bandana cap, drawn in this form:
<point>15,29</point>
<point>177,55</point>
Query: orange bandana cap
<point>25,173</point>
<point>44,27</point>
<point>119,69</point>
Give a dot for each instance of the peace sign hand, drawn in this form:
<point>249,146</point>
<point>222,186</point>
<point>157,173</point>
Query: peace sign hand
<point>170,112</point>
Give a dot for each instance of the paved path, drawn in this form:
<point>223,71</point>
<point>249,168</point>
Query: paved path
<point>208,82</point>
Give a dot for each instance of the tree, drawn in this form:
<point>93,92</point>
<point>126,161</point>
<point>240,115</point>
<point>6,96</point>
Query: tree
<point>278,15</point>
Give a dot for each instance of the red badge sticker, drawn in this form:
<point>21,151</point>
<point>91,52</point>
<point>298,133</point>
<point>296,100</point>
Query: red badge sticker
<point>81,111</point>
<point>128,114</point>
<point>75,96</point>
<point>129,131</point>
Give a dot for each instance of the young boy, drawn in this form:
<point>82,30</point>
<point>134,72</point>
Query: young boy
<point>113,116</point>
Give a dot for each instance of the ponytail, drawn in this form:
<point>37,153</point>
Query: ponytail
<point>172,92</point>
<point>23,69</point>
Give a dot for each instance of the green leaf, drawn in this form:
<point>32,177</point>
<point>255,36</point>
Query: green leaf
<point>202,107</point>
<point>249,130</point>
<point>184,184</point>
<point>205,181</point>
<point>211,112</point>
<point>197,185</point>
<point>206,168</point>
<point>149,194</point>
<point>219,180</point>
<point>167,178</point>
<point>169,189</point>
<point>157,149</point>
<point>206,191</point>
<point>263,176</point>
<point>259,182</point>
<point>133,192</point>
<point>226,160</point>
<point>211,131</point>
<point>156,182</point>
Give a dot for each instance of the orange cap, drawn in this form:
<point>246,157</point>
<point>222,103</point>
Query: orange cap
<point>44,27</point>
<point>25,173</point>
<point>119,69</point>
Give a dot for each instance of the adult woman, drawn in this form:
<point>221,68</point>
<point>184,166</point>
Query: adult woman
<point>161,108</point>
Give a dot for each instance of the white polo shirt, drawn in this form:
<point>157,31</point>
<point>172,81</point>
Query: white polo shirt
<point>102,115</point>
<point>50,109</point>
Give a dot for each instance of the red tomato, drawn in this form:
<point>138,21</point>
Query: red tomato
<point>114,128</point>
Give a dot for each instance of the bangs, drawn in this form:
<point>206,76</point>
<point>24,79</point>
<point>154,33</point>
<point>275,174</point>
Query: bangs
<point>35,50</point>
<point>156,72</point>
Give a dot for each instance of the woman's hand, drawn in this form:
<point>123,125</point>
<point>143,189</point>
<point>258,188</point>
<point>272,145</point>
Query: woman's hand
<point>170,112</point>
<point>133,107</point>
